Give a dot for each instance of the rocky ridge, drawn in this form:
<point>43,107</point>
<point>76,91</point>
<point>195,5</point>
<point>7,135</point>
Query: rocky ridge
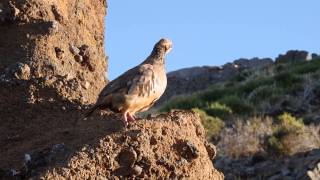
<point>190,80</point>
<point>170,146</point>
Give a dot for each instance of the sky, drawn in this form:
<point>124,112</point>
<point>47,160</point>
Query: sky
<point>208,32</point>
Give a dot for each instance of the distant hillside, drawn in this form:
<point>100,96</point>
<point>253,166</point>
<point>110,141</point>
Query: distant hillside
<point>193,79</point>
<point>263,87</point>
<point>260,116</point>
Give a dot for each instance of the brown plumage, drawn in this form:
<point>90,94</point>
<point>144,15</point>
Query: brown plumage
<point>137,89</point>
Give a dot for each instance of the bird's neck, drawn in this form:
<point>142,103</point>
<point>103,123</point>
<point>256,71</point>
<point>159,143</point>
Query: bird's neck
<point>157,57</point>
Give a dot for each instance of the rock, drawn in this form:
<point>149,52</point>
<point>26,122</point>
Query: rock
<point>153,140</point>
<point>53,27</point>
<point>127,157</point>
<point>57,15</point>
<point>27,158</point>
<point>83,49</point>
<point>187,150</point>
<point>15,11</point>
<point>314,174</point>
<point>19,71</point>
<point>74,50</point>
<point>8,12</point>
<point>211,149</point>
<point>137,170</point>
<point>115,154</point>
<point>315,56</point>
<point>78,58</point>
<point>86,85</point>
<point>254,63</point>
<point>59,52</point>
<point>292,56</point>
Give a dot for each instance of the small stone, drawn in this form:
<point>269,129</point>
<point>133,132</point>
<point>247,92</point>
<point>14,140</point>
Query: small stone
<point>86,85</point>
<point>74,50</point>
<point>187,150</point>
<point>69,76</point>
<point>59,52</point>
<point>127,157</point>
<point>164,131</point>
<point>27,158</point>
<point>15,10</point>
<point>91,68</point>
<point>78,58</point>
<point>150,116</point>
<point>63,108</point>
<point>53,26</point>
<point>83,49</point>
<point>137,170</point>
<point>153,140</point>
<point>19,71</point>
<point>211,149</point>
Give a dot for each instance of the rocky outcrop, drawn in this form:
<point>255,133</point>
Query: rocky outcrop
<point>293,56</point>
<point>170,146</point>
<point>52,65</point>
<point>193,79</point>
<point>57,42</point>
<point>300,166</point>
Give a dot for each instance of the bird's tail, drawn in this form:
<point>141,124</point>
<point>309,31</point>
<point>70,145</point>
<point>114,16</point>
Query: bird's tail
<point>86,114</point>
<point>90,111</point>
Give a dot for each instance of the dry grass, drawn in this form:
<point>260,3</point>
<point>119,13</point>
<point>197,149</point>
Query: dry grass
<point>245,138</point>
<point>285,135</point>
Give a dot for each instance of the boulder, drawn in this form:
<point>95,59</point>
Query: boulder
<point>292,56</point>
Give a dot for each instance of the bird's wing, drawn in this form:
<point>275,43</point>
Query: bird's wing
<point>130,81</point>
<point>143,83</point>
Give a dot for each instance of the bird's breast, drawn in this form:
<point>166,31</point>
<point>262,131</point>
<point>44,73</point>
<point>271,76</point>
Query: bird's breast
<point>159,84</point>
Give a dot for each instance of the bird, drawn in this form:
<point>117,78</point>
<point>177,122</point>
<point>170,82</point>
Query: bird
<point>137,89</point>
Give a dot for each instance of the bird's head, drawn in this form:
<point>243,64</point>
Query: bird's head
<point>164,45</point>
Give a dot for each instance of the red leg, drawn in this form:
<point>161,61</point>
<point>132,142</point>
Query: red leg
<point>125,118</point>
<point>130,117</point>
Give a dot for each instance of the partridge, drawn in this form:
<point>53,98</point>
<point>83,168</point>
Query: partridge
<point>137,89</point>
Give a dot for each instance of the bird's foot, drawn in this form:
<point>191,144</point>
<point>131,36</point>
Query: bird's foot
<point>131,117</point>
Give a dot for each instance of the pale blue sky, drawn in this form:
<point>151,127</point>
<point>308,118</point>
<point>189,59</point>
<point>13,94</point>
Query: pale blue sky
<point>208,32</point>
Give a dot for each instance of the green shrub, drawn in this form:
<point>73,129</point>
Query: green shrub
<point>213,94</point>
<point>287,129</point>
<point>218,110</point>
<point>287,79</point>
<point>263,93</point>
<point>186,102</point>
<point>306,67</point>
<point>241,76</point>
<point>288,123</point>
<point>249,86</point>
<point>237,105</point>
<point>212,125</point>
<point>276,146</point>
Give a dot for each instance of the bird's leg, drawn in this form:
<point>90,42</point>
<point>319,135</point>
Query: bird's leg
<point>125,118</point>
<point>130,117</point>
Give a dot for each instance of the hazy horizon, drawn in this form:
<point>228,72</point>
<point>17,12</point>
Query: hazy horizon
<point>208,33</point>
